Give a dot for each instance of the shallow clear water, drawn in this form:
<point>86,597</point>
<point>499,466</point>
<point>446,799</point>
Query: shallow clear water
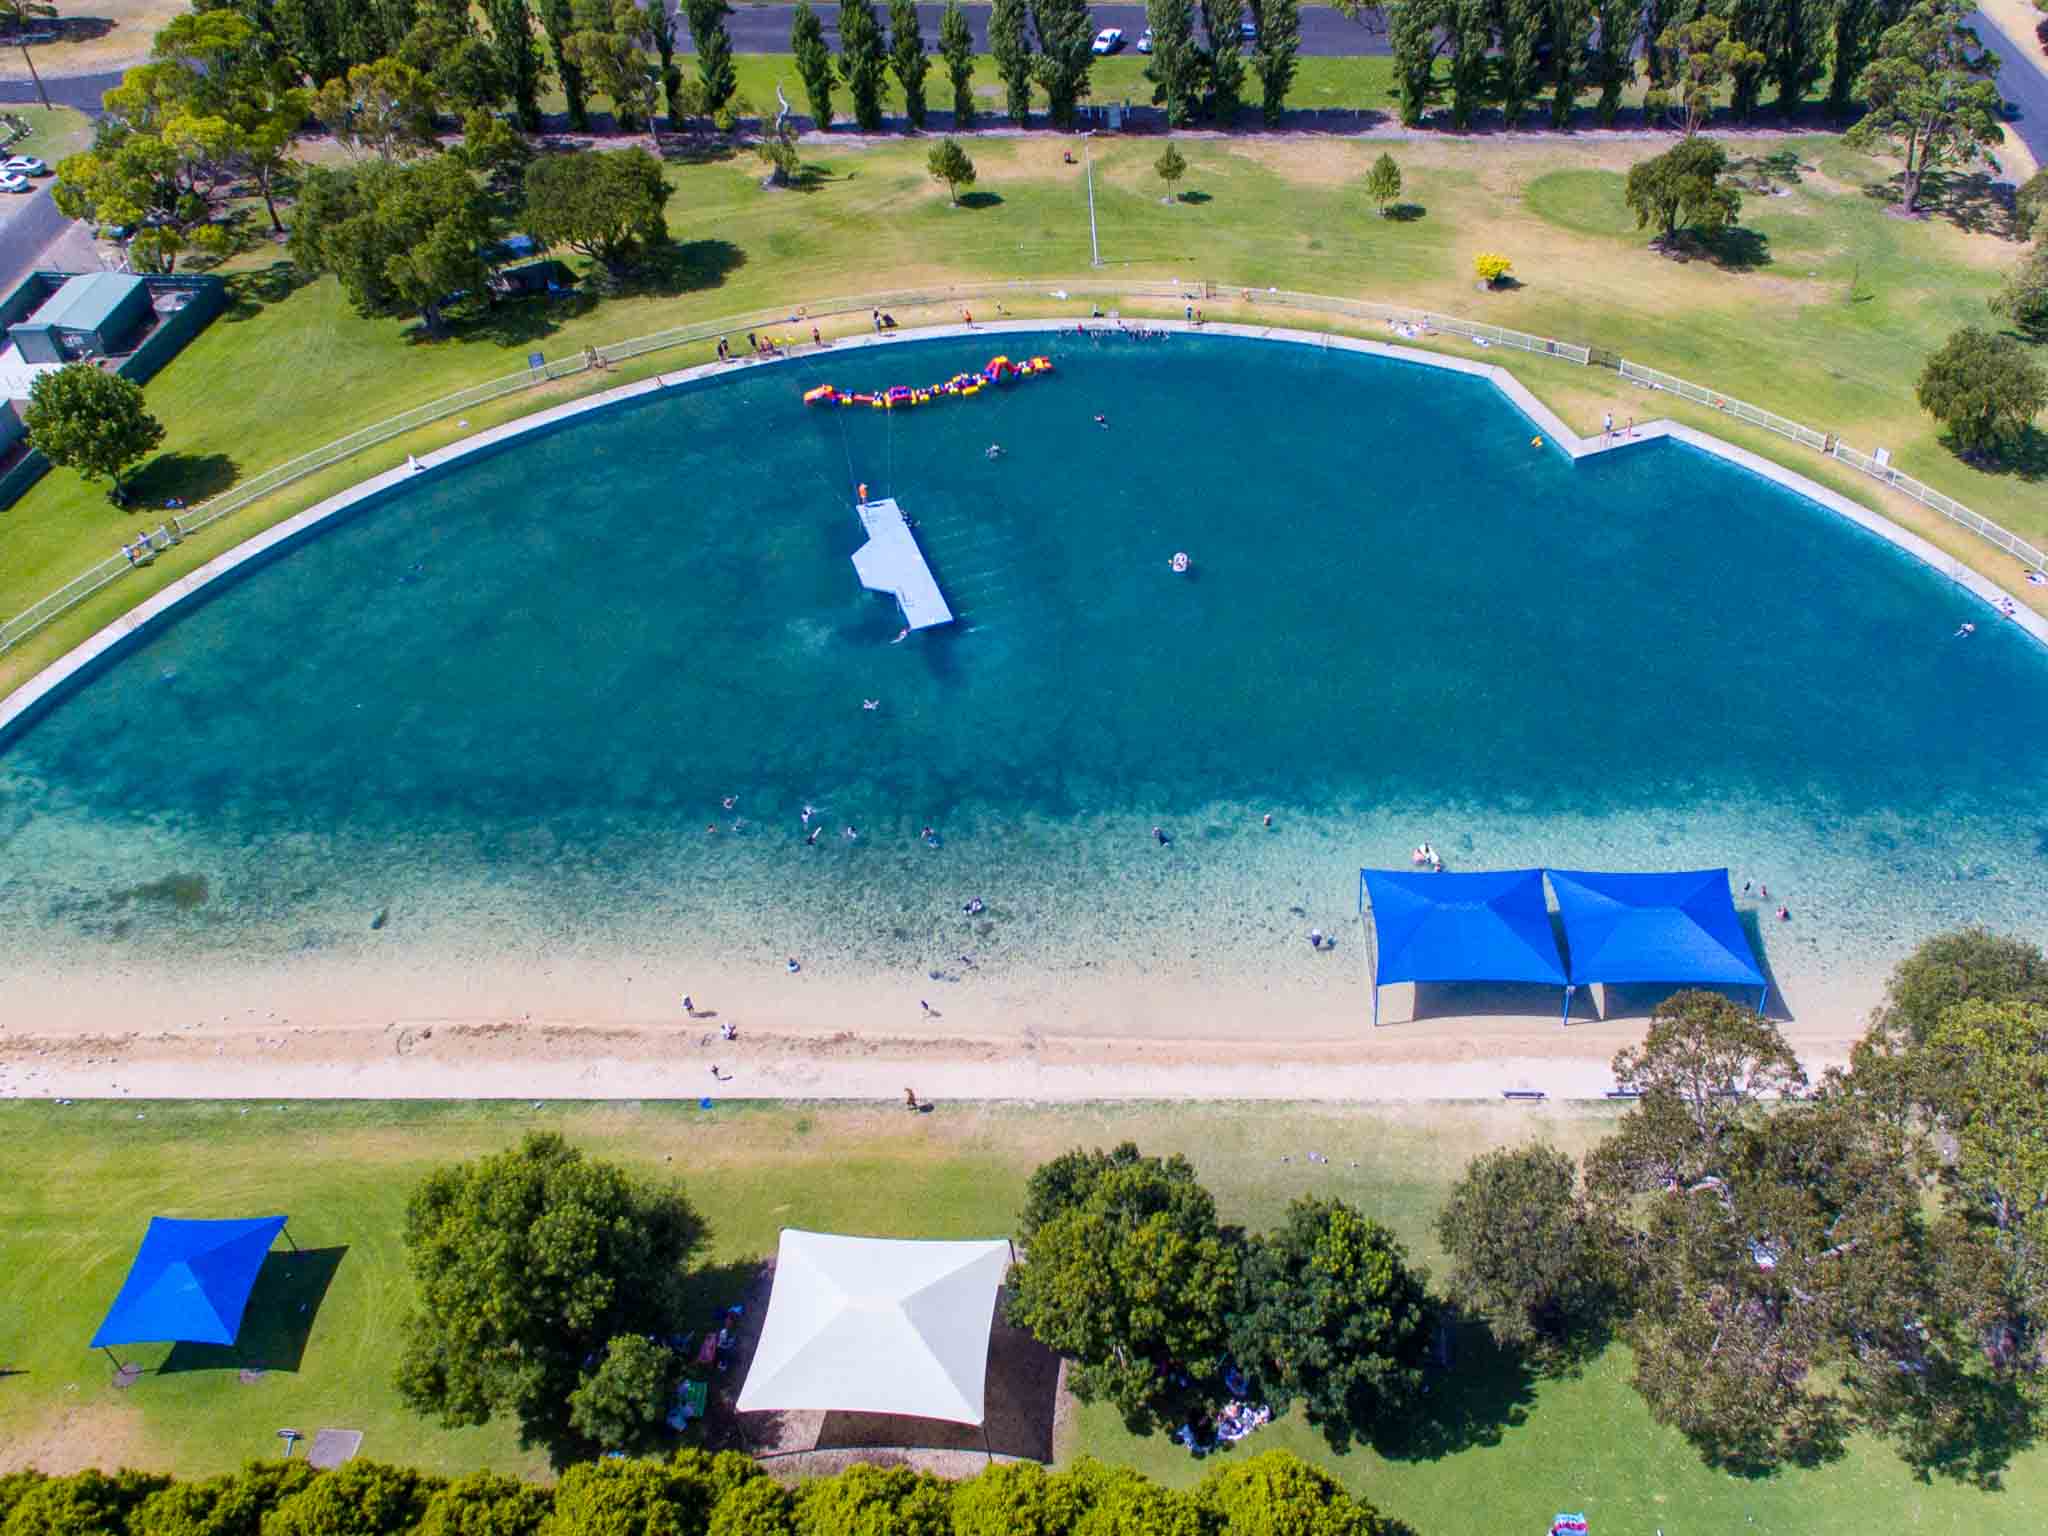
<point>500,706</point>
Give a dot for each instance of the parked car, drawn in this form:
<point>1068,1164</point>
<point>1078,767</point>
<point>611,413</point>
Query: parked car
<point>1108,40</point>
<point>9,182</point>
<point>24,165</point>
<point>1145,42</point>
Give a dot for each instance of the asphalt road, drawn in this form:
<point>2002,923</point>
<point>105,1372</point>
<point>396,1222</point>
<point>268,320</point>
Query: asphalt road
<point>765,28</point>
<point>80,91</point>
<point>2023,81</point>
<point>33,222</point>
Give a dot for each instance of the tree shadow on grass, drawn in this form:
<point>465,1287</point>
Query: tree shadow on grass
<point>1196,199</point>
<point>2026,459</point>
<point>1405,213</point>
<point>1484,1392</point>
<point>1968,1429</point>
<point>282,1310</point>
<point>190,477</point>
<point>1736,249</point>
<point>687,266</point>
<point>1971,201</point>
<point>980,200</point>
<point>249,293</point>
<point>697,149</point>
<point>513,322</point>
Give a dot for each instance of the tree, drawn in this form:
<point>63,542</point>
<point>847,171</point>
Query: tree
<point>1613,67</point>
<point>956,47</point>
<point>1127,1274</point>
<point>19,16</point>
<point>2030,207</point>
<point>1274,52</point>
<point>558,21</point>
<point>888,1501</point>
<point>645,1497</point>
<point>230,1505</point>
<point>608,53</point>
<point>1568,32</point>
<point>758,1507</point>
<point>1469,24</point>
<point>402,239</point>
<point>1417,39</point>
<point>1276,1493</point>
<point>1009,43</point>
<point>1858,27</point>
<point>778,151</point>
<point>2023,298</point>
<point>1492,267</point>
<point>1527,1253</point>
<point>1065,32</point>
<point>1984,389</point>
<point>713,39</point>
<point>384,109</point>
<point>493,149</point>
<point>1171,166</point>
<point>482,1504</point>
<point>1174,65</point>
<point>80,417</point>
<point>907,59</point>
<point>1519,25</point>
<point>1931,94</point>
<point>528,1262</point>
<point>1383,183</point>
<point>813,62</point>
<point>948,162</point>
<point>623,1404</point>
<point>1682,189</point>
<point>1704,57</point>
<point>358,1498</point>
<point>661,31</point>
<point>1968,965</point>
<point>1331,1315</point>
<point>518,56</point>
<point>1017,1499</point>
<point>88,1503</point>
<point>1223,20</point>
<point>1794,37</point>
<point>459,64</point>
<point>863,62</point>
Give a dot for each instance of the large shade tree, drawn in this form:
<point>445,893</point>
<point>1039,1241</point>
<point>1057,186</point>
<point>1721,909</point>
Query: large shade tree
<point>1128,1274</point>
<point>1932,95</point>
<point>84,418</point>
<point>526,1265</point>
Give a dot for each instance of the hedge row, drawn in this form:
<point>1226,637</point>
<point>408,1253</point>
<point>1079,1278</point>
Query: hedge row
<point>693,1494</point>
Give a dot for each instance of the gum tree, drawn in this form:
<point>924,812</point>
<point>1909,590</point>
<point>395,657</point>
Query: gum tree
<point>1932,94</point>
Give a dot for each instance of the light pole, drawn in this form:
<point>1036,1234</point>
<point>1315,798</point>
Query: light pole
<point>1094,243</point>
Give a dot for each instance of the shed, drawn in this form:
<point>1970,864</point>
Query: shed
<point>91,315</point>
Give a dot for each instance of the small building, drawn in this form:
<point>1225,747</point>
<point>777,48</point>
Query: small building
<point>92,315</point>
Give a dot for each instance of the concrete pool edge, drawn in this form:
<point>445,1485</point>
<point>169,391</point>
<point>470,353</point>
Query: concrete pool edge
<point>51,679</point>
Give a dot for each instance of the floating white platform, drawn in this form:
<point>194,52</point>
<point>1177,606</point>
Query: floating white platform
<point>891,562</point>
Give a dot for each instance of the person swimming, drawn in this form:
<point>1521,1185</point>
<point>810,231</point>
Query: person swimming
<point>807,815</point>
<point>730,801</point>
<point>1102,422</point>
<point>902,635</point>
<point>812,840</point>
<point>1161,837</point>
<point>993,451</point>
<point>850,834</point>
<point>870,703</point>
<point>1967,629</point>
<point>1179,563</point>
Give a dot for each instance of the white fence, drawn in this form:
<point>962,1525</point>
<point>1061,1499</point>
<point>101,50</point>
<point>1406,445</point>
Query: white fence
<point>1831,445</point>
<point>75,591</point>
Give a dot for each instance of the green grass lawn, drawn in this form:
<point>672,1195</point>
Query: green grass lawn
<point>1828,324</point>
<point>55,133</point>
<point>84,1179</point>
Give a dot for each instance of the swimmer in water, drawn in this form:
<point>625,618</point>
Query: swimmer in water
<point>993,451</point>
<point>870,703</point>
<point>1159,836</point>
<point>1967,629</point>
<point>730,801</point>
<point>812,840</point>
<point>850,834</point>
<point>807,816</point>
<point>1269,818</point>
<point>902,635</point>
<point>1102,422</point>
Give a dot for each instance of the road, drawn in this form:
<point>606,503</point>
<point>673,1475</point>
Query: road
<point>33,223</point>
<point>2023,81</point>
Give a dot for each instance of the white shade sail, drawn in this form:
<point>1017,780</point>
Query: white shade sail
<point>877,1325</point>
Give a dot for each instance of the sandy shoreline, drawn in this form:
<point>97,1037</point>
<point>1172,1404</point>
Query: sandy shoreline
<point>339,1032</point>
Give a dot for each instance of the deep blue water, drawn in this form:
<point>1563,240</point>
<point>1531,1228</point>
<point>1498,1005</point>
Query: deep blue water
<point>536,676</point>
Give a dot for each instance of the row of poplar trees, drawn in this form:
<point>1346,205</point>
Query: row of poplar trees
<point>501,52</point>
<point>1046,44</point>
<point>1518,54</point>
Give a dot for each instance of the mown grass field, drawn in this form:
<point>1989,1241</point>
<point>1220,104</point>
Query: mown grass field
<point>84,1179</point>
<point>1827,321</point>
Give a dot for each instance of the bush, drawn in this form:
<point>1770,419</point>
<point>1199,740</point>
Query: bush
<point>1491,266</point>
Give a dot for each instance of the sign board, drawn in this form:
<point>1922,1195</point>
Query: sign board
<point>535,361</point>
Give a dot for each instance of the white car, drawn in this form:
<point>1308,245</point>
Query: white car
<point>1145,42</point>
<point>9,182</point>
<point>1108,40</point>
<point>24,165</point>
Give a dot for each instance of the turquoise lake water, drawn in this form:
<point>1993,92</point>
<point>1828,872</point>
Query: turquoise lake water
<point>500,706</point>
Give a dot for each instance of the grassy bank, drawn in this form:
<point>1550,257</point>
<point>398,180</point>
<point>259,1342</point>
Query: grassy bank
<point>86,1178</point>
<point>1826,318</point>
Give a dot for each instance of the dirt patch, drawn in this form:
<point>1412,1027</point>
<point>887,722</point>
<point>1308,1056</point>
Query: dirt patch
<point>99,1435</point>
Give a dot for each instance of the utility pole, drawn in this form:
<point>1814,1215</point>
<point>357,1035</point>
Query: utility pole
<point>1094,243</point>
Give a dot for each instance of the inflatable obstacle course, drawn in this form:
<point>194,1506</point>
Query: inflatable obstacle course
<point>1000,370</point>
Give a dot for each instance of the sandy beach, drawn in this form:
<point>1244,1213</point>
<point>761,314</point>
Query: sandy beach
<point>328,1030</point>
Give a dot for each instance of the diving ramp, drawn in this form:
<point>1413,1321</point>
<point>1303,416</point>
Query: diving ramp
<point>891,562</point>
